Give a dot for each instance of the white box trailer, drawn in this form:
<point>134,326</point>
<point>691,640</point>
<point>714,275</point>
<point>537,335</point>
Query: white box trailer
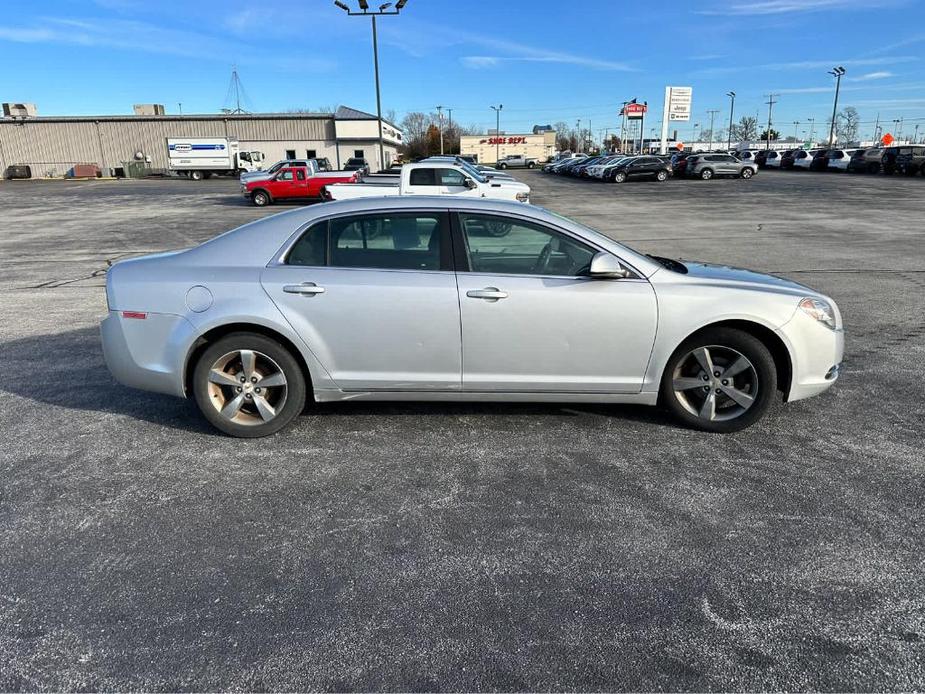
<point>200,157</point>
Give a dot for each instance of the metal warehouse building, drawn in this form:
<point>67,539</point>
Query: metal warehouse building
<point>52,145</point>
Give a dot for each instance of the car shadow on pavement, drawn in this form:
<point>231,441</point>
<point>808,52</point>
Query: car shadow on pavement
<point>68,370</point>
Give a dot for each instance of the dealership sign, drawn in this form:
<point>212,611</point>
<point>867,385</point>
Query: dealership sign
<point>679,103</point>
<point>516,140</point>
<point>634,110</point>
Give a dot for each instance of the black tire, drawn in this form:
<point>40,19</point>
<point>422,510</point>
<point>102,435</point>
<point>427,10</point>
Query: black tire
<point>261,198</point>
<point>747,173</point>
<point>661,176</point>
<point>195,175</point>
<point>619,177</point>
<point>205,392</point>
<point>502,166</point>
<point>706,174</point>
<point>719,340</point>
<point>531,164</point>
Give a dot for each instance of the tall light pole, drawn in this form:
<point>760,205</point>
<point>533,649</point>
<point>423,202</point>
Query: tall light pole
<point>384,9</point>
<point>497,110</point>
<point>712,113</point>
<point>440,125</point>
<point>796,129</point>
<point>812,129</point>
<point>732,105</point>
<point>771,103</point>
<point>578,135</point>
<point>837,72</point>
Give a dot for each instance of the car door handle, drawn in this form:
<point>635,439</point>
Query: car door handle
<point>490,293</point>
<point>306,289</point>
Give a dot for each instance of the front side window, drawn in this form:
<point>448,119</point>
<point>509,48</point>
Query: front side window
<point>451,177</point>
<point>499,245</point>
<point>300,174</point>
<point>399,241</point>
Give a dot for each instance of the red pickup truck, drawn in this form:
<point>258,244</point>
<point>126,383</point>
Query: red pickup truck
<point>293,182</point>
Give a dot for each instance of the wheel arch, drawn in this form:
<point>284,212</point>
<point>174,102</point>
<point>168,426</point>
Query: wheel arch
<point>220,331</point>
<point>258,189</point>
<point>783,360</point>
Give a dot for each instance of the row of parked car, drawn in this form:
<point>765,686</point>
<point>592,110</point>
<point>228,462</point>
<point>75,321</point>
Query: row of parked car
<point>904,159</point>
<point>618,168</point>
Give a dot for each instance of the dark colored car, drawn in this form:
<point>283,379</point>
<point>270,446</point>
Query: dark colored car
<point>572,169</point>
<point>888,160</point>
<point>762,157</point>
<point>679,162</point>
<point>357,164</point>
<point>865,161</point>
<point>820,161</point>
<point>582,169</point>
<point>910,160</point>
<point>641,167</point>
<point>786,159</point>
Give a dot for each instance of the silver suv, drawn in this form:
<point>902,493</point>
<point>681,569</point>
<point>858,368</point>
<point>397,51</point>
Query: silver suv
<point>706,166</point>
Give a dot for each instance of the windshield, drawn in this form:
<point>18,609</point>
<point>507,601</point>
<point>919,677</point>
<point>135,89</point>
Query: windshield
<point>472,171</point>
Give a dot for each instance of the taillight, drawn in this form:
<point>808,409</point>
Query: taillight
<point>139,315</point>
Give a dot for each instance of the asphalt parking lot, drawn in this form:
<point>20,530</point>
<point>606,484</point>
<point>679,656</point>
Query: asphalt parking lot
<point>466,547</point>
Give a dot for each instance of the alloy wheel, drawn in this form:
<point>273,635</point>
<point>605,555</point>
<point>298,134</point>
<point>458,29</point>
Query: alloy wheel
<point>247,387</point>
<point>715,383</point>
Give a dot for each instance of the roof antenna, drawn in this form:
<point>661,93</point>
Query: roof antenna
<point>235,93</point>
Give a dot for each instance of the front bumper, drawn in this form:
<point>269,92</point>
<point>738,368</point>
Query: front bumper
<point>148,353</point>
<point>816,354</point>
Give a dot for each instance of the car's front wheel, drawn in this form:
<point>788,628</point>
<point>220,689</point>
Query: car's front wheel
<point>260,198</point>
<point>721,380</point>
<point>248,385</point>
<point>619,177</point>
<point>747,173</point>
<point>706,174</point>
<point>661,176</point>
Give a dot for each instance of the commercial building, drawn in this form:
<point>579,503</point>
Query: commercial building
<point>52,145</point>
<point>487,148</point>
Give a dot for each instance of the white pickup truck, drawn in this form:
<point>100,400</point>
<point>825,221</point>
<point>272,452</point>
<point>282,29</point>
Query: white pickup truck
<point>433,178</point>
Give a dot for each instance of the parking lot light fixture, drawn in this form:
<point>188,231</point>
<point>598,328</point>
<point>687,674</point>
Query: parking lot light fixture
<point>732,105</point>
<point>497,110</point>
<point>812,129</point>
<point>365,12</point>
<point>837,72</point>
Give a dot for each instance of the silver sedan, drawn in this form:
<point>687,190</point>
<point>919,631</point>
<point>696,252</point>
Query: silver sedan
<point>418,298</point>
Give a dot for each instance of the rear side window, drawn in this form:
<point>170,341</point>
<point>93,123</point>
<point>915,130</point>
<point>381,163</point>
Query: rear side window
<point>300,174</point>
<point>423,177</point>
<point>311,248</point>
<point>388,241</point>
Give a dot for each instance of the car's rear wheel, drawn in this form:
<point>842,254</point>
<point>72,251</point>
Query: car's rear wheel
<point>260,198</point>
<point>661,176</point>
<point>721,380</point>
<point>248,385</point>
<point>195,175</point>
<point>619,177</point>
<point>531,165</point>
<point>747,173</point>
<point>706,174</point>
<point>502,166</point>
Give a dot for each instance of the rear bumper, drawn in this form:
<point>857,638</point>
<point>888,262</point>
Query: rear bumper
<point>148,353</point>
<point>816,355</point>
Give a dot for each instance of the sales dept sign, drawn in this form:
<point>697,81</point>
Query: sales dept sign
<point>516,140</point>
<point>679,103</point>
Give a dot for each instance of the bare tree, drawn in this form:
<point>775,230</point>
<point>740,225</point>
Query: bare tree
<point>745,130</point>
<point>847,124</point>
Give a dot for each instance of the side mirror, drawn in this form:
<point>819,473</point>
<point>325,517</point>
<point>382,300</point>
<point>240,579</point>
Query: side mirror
<point>607,267</point>
<point>470,183</point>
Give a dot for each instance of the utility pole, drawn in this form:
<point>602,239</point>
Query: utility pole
<point>732,105</point>
<point>440,125</point>
<point>915,138</point>
<point>383,10</point>
<point>623,127</point>
<point>449,127</point>
<point>578,136</point>
<point>877,128</point>
<point>770,103</point>
<point>497,110</point>
<point>590,140</point>
<point>712,113</point>
<point>837,72</point>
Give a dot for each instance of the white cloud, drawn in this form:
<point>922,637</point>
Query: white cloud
<point>882,74</point>
<point>772,7</point>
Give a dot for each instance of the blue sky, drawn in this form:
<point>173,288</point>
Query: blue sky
<point>545,60</point>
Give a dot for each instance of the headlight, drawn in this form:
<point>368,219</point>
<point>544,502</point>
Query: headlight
<point>523,197</point>
<point>819,309</point>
